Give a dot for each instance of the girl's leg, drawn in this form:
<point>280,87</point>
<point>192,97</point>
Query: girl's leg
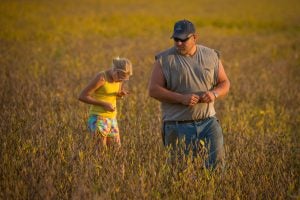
<point>103,140</point>
<point>113,140</point>
<point>113,135</point>
<point>116,142</point>
<point>100,141</point>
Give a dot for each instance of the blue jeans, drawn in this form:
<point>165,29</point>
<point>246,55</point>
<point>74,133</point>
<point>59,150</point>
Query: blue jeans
<point>197,135</point>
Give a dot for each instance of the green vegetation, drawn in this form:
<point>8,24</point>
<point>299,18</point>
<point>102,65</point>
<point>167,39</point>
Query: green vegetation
<point>50,49</point>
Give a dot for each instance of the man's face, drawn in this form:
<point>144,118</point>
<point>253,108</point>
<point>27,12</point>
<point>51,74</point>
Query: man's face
<point>185,46</point>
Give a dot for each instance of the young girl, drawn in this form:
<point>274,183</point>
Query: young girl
<point>101,93</point>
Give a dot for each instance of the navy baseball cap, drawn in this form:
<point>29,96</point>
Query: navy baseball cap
<point>182,29</point>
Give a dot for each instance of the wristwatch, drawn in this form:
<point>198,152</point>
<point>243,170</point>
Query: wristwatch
<point>215,94</point>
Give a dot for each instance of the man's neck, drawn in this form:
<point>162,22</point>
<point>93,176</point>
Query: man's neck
<point>189,53</point>
<point>192,51</point>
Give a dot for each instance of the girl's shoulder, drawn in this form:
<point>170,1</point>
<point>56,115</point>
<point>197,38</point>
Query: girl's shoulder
<point>98,80</point>
<point>101,76</point>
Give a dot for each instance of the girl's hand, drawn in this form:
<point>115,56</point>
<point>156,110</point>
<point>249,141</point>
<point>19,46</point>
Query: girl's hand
<point>122,93</point>
<point>109,107</point>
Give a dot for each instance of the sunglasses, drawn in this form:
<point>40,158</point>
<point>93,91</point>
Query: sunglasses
<point>180,40</point>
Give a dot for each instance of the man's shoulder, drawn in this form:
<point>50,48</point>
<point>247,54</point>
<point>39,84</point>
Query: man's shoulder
<point>208,50</point>
<point>204,48</point>
<point>165,52</point>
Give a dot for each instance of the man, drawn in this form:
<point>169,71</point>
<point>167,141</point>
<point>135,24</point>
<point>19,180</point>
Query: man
<point>187,79</point>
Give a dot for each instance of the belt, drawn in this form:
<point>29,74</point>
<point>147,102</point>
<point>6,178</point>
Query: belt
<point>186,121</point>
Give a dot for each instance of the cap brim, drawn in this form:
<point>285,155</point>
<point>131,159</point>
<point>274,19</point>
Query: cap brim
<point>180,36</point>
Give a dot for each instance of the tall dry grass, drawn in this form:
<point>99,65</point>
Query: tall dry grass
<point>50,50</point>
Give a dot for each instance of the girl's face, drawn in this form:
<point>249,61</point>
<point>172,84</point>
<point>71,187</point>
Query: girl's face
<point>119,76</point>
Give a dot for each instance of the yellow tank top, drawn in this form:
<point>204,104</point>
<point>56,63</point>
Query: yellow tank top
<point>108,93</point>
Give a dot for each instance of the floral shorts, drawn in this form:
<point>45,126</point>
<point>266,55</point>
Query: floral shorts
<point>106,127</point>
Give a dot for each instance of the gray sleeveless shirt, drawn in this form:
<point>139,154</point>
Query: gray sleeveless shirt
<point>189,74</point>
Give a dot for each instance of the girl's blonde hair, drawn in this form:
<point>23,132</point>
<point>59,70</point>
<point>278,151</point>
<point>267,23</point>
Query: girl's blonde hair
<point>123,65</point>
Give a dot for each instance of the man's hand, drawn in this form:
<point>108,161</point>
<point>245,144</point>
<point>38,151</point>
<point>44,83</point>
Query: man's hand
<point>207,97</point>
<point>190,99</point>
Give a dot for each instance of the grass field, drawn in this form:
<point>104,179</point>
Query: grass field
<point>49,50</point>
